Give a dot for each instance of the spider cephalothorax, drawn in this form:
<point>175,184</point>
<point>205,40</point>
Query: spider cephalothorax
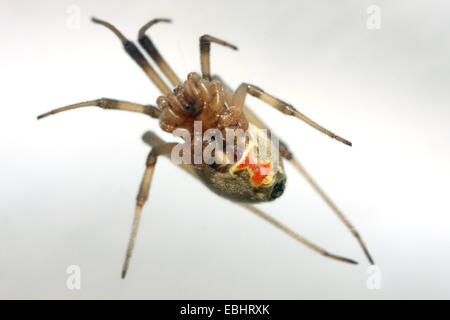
<point>199,100</point>
<point>245,176</point>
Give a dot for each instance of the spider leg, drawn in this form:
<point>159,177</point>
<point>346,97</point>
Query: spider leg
<point>153,140</point>
<point>161,149</point>
<point>205,46</point>
<point>294,235</point>
<point>245,88</point>
<point>106,103</point>
<point>148,45</point>
<point>287,154</point>
<point>137,56</point>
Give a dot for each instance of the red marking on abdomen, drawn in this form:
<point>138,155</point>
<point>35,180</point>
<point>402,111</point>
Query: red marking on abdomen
<point>260,172</point>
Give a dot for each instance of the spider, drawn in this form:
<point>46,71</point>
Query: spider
<point>209,100</point>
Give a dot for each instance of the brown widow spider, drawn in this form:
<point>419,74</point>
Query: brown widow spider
<point>209,100</point>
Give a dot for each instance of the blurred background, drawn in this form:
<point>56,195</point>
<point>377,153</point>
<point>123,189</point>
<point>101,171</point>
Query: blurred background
<point>375,72</point>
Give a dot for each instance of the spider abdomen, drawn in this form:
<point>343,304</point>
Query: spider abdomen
<point>254,175</point>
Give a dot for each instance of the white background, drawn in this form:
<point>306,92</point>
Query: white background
<point>68,182</point>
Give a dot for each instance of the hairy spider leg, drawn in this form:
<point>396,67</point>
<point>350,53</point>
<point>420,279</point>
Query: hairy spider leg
<point>245,88</point>
<point>150,48</point>
<point>137,56</point>
<point>106,103</point>
<point>205,48</point>
<point>161,149</point>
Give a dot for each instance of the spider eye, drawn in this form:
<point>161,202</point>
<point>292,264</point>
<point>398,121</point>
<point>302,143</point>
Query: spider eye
<point>278,190</point>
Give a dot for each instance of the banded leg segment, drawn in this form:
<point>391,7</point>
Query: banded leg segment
<point>241,93</point>
<point>205,48</point>
<point>148,45</point>
<point>142,196</point>
<point>137,56</point>
<point>106,103</point>
<point>153,140</point>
